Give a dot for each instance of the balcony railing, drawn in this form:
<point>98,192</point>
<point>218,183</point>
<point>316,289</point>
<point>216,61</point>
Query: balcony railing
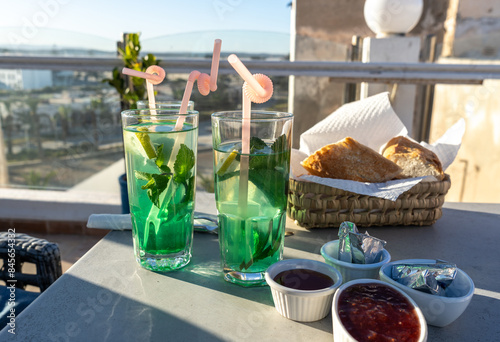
<point>410,73</point>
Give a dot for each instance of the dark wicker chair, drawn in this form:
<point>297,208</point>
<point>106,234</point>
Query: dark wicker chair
<point>24,248</point>
<point>44,254</point>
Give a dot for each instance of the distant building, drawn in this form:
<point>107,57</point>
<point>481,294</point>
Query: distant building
<point>17,79</point>
<point>11,79</point>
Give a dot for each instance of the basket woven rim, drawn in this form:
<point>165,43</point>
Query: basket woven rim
<point>434,186</point>
<point>317,205</point>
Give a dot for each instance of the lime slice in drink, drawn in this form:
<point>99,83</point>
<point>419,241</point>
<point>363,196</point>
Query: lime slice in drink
<point>147,145</point>
<point>140,144</point>
<point>226,163</point>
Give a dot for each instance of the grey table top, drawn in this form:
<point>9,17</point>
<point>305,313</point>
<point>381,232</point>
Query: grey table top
<point>106,296</point>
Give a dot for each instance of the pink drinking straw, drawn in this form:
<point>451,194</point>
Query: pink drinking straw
<point>242,70</point>
<point>153,75</point>
<point>215,65</point>
<point>206,83</point>
<point>145,75</point>
<point>193,76</point>
<point>257,88</point>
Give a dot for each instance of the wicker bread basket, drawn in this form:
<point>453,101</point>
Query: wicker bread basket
<point>315,205</point>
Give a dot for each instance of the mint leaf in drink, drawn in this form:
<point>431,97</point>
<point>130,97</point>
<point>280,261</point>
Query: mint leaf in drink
<point>256,144</point>
<point>262,249</point>
<point>191,183</point>
<point>259,162</point>
<point>160,160</point>
<point>271,182</point>
<point>159,152</point>
<point>279,144</point>
<point>280,147</point>
<point>184,162</point>
<point>156,185</point>
<point>264,156</point>
<point>142,175</point>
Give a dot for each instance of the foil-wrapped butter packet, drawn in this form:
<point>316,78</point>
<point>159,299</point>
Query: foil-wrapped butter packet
<point>345,253</point>
<point>429,278</point>
<point>358,248</point>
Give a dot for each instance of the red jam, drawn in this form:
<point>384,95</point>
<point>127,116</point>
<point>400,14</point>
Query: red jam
<point>376,312</point>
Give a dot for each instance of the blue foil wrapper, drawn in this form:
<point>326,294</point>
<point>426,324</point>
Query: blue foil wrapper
<point>430,278</point>
<point>358,248</point>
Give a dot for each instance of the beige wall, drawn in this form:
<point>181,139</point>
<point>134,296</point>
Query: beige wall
<point>476,40</point>
<point>475,170</point>
<point>477,29</point>
<point>479,8</point>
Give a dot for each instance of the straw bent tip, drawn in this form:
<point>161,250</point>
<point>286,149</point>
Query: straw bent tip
<point>193,76</point>
<point>155,77</point>
<point>242,70</point>
<point>204,84</point>
<point>265,82</point>
<point>157,71</point>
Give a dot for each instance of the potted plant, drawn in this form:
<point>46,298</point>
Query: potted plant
<point>130,89</point>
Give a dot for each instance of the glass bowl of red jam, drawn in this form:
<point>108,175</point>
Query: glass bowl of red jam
<point>439,311</point>
<point>372,310</point>
<point>350,271</point>
<point>303,289</point>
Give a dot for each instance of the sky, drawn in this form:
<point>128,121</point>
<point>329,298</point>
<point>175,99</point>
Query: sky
<point>100,23</point>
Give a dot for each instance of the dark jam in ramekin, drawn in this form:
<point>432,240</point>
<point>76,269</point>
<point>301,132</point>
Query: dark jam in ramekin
<point>376,312</point>
<point>303,279</point>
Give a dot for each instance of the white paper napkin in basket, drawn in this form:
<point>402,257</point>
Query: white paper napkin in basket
<point>372,122</point>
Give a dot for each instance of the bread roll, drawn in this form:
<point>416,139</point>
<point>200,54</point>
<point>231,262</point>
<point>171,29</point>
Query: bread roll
<point>348,159</point>
<point>413,158</point>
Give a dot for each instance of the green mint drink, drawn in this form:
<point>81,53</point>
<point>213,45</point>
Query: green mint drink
<point>161,176</point>
<point>251,238</point>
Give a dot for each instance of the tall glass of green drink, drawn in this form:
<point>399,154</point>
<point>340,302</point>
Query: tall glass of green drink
<point>161,174</point>
<point>251,192</point>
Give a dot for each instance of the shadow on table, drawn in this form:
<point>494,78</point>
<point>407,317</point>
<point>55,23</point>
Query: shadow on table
<point>475,324</point>
<point>205,270</point>
<point>82,311</point>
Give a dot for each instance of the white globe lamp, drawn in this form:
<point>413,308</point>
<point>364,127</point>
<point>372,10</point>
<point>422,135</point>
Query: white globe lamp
<point>392,17</point>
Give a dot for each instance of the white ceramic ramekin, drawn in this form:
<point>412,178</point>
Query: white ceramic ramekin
<point>438,310</point>
<point>302,305</point>
<point>340,334</point>
<point>350,271</point>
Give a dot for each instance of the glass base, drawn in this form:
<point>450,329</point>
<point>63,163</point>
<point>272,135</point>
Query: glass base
<point>245,279</point>
<point>164,263</point>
